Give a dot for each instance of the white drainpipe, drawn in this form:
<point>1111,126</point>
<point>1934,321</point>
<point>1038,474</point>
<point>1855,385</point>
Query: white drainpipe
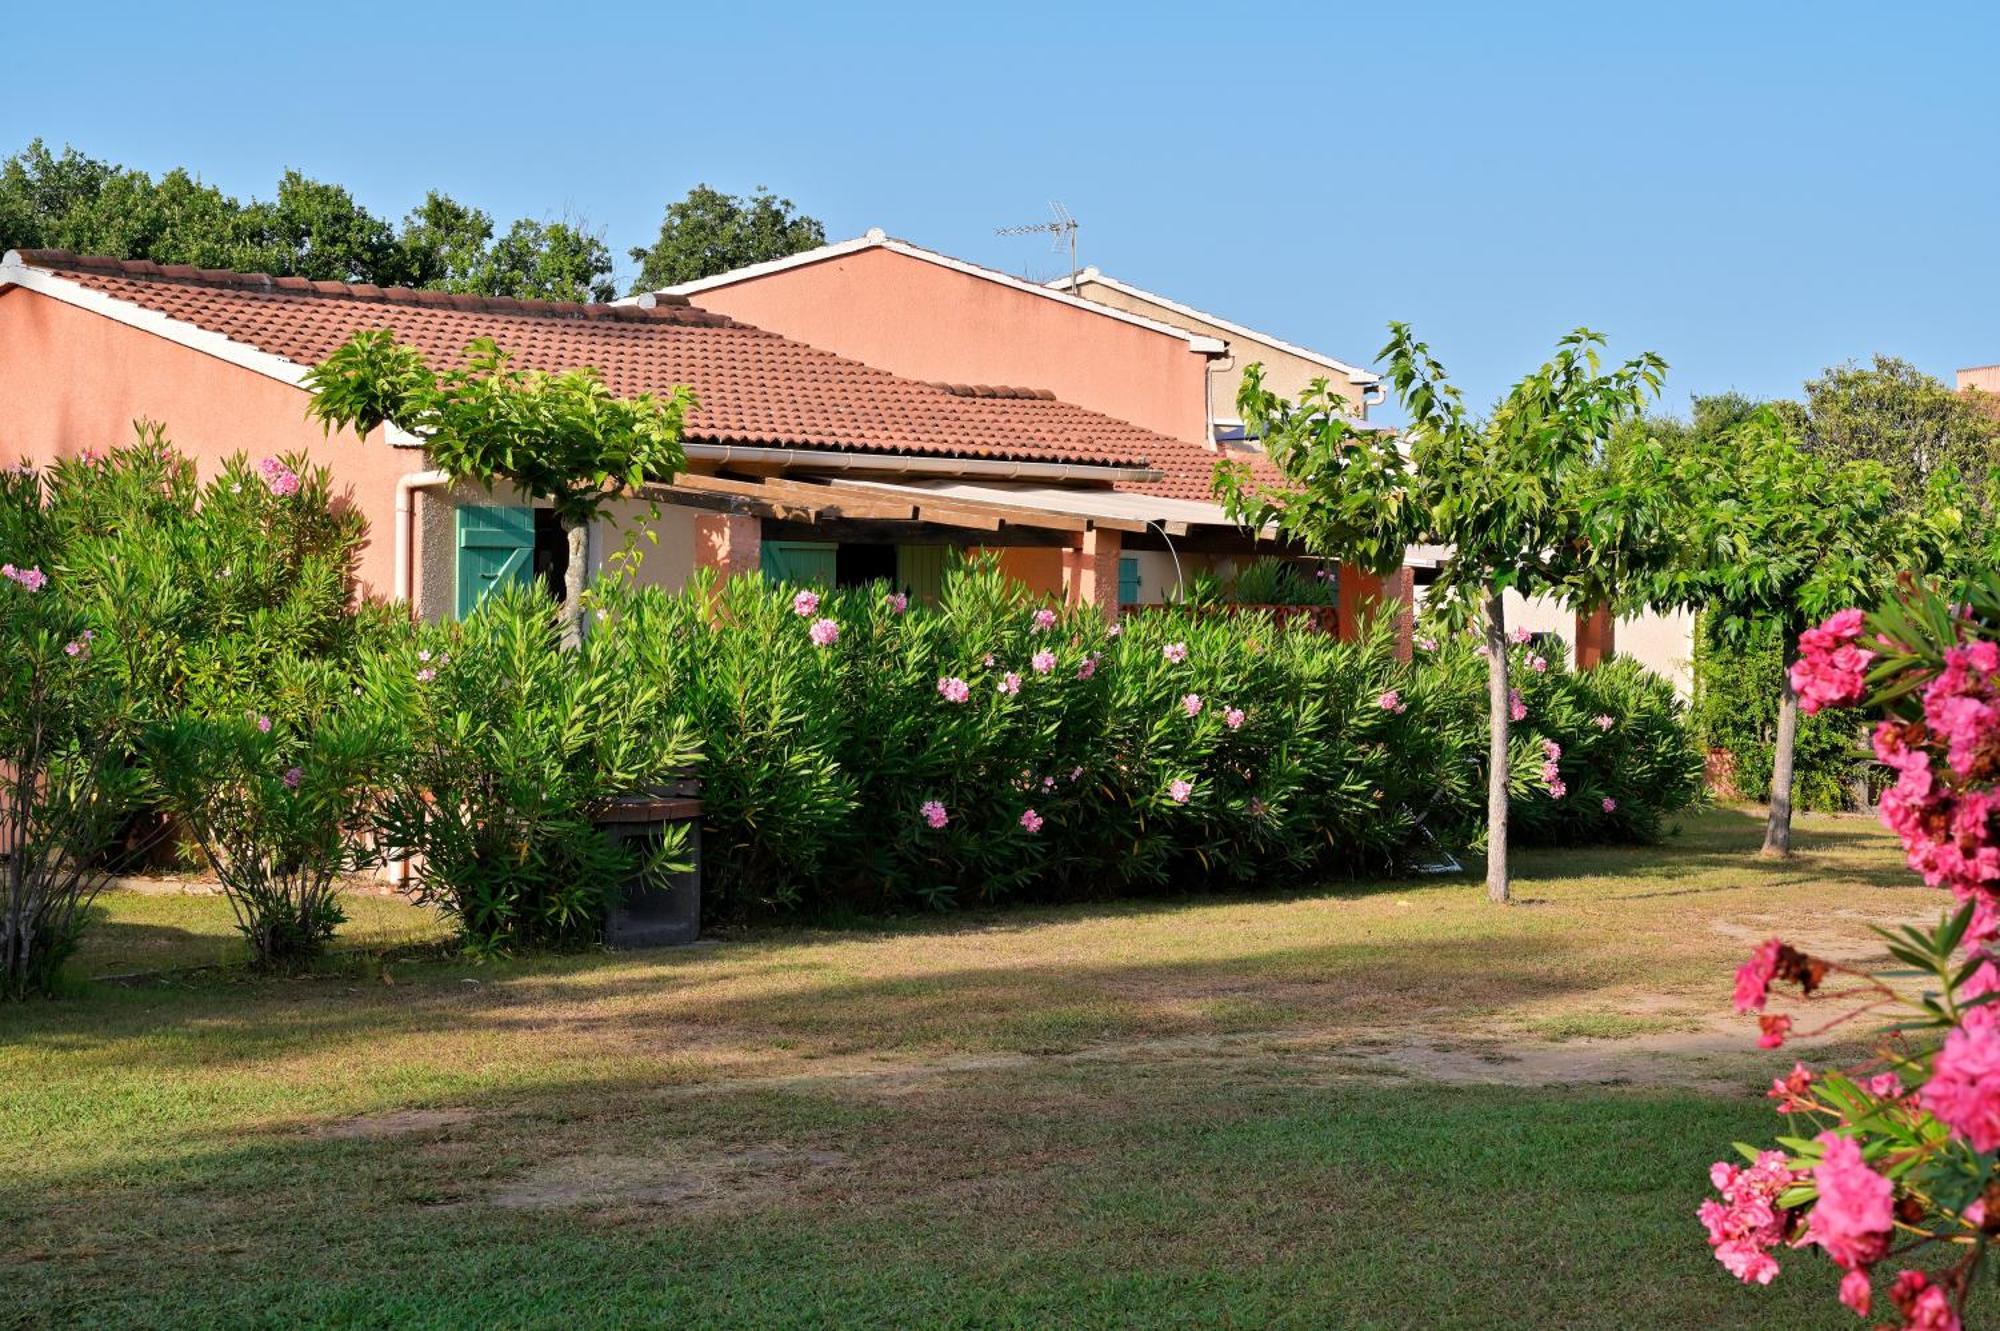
<point>406,488</point>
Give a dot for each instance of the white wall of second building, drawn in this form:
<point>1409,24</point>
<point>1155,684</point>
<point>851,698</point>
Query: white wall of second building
<point>666,563</point>
<point>1663,643</point>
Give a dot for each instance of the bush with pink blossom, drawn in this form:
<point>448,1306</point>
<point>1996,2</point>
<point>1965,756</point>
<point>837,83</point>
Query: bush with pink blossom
<point>1888,1167</point>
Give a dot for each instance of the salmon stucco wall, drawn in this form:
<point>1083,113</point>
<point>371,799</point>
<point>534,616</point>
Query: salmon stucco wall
<point>72,380</point>
<point>925,321</point>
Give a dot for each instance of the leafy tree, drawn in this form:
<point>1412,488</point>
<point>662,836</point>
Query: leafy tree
<point>1768,531</point>
<point>710,232</point>
<point>1530,498</point>
<point>1895,414</point>
<point>310,229</point>
<point>563,438</point>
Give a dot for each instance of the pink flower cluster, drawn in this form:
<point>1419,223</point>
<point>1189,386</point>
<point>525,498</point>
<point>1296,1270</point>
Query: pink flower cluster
<point>1044,620</point>
<point>953,689</point>
<point>1191,704</point>
<point>933,814</point>
<point>1539,664</point>
<point>1031,822</point>
<point>31,578</point>
<point>1392,701</point>
<point>1043,661</point>
<point>1180,791</point>
<point>898,602</point>
<point>805,604</point>
<point>1087,667</point>
<point>1175,652</point>
<point>1520,637</point>
<point>80,645</point>
<point>1963,1092</point>
<point>1552,753</point>
<point>279,479</point>
<point>1746,1224</point>
<point>1604,722</point>
<point>1233,717</point>
<point>1831,670</point>
<point>824,632</point>
<point>1517,707</point>
<point>1856,1211</point>
<point>1010,683</point>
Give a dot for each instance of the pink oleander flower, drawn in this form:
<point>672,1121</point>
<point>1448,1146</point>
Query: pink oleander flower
<point>1010,683</point>
<point>1604,722</point>
<point>953,689</point>
<point>76,647</point>
<point>1610,805</point>
<point>1790,1090</point>
<point>279,479</point>
<point>1175,652</point>
<point>1520,637</point>
<point>1087,667</point>
<point>1044,620</point>
<point>1031,822</point>
<point>1517,707</point>
<point>31,578</point>
<point>424,654</point>
<point>264,724</point>
<point>1753,977</point>
<point>1746,1224</point>
<point>1075,775</point>
<point>1885,1086</point>
<point>1831,670</point>
<point>1551,750</point>
<point>1191,704</point>
<point>934,814</point>
<point>897,602</point>
<point>1772,1030</point>
<point>426,675</point>
<point>1048,783</point>
<point>1963,1092</point>
<point>1233,718</point>
<point>1856,1211</point>
<point>824,632</point>
<point>1427,644</point>
<point>1538,664</point>
<point>1931,1310</point>
<point>1180,791</point>
<point>1043,661</point>
<point>294,775</point>
<point>1855,1292</point>
<point>1392,701</point>
<point>805,604</point>
<point>1115,631</point>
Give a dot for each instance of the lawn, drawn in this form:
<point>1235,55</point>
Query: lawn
<point>1385,1105</point>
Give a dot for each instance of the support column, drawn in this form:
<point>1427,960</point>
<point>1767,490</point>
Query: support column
<point>1596,637</point>
<point>1364,596</point>
<point>1090,571</point>
<point>729,543</point>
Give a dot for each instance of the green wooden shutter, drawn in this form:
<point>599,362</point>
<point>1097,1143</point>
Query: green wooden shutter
<point>1128,580</point>
<point>496,546</point>
<point>811,563</point>
<point>920,571</point>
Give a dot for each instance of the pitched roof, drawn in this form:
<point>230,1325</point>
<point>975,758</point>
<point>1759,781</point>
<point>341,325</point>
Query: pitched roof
<point>1355,374</point>
<point>752,387</point>
<point>877,239</point>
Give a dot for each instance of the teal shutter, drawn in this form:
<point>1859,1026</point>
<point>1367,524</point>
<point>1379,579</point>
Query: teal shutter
<point>808,562</point>
<point>496,546</point>
<point>1128,580</point>
<point>920,571</point>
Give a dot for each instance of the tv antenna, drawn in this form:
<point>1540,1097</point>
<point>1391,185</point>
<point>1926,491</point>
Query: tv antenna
<point>1060,231</point>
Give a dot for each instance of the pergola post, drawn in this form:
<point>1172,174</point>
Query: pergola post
<point>1090,571</point>
<point>1596,637</point>
<point>1364,596</point>
<point>729,543</point>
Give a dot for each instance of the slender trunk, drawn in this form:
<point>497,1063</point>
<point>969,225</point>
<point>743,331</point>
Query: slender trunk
<point>1499,720</point>
<point>578,532</point>
<point>1778,826</point>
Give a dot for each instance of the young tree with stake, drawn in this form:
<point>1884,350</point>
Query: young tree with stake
<point>563,438</point>
<point>1530,498</point>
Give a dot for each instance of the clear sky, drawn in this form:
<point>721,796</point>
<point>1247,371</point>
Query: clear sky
<point>1754,190</point>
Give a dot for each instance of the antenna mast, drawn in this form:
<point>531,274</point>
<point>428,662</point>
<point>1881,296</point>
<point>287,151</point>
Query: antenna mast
<point>1062,229</point>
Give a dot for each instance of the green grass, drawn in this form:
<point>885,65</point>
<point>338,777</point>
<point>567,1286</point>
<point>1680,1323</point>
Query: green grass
<point>1175,1113</point>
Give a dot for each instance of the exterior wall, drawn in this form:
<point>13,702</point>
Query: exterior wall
<point>71,380</point>
<point>1284,373</point>
<point>667,563</point>
<point>1663,643</point>
<point>1159,578</point>
<point>1985,378</point>
<point>925,321</point>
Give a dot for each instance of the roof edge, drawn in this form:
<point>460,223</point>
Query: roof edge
<point>1357,376</point>
<point>876,238</point>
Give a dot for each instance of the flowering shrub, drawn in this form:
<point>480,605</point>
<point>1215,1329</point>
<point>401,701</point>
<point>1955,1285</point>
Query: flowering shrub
<point>1736,690</point>
<point>509,747</point>
<point>68,786</point>
<point>1897,1156</point>
<point>280,813</point>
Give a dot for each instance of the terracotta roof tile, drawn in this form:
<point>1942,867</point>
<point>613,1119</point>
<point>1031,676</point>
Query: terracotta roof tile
<point>752,387</point>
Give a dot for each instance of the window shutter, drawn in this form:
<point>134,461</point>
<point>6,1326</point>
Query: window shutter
<point>1128,580</point>
<point>810,563</point>
<point>920,571</point>
<point>496,546</point>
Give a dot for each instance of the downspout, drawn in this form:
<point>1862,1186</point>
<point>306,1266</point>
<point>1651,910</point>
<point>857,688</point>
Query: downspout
<point>406,488</point>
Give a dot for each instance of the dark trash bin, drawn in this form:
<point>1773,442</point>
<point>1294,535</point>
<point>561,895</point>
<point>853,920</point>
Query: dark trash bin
<point>668,914</point>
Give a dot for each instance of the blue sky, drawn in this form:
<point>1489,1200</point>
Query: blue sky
<point>1754,190</point>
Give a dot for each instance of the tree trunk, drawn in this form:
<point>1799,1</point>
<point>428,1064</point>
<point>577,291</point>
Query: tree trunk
<point>1499,722</point>
<point>578,532</point>
<point>1778,826</point>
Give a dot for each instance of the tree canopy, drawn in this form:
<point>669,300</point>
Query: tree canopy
<point>710,232</point>
<point>1913,424</point>
<point>307,229</point>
